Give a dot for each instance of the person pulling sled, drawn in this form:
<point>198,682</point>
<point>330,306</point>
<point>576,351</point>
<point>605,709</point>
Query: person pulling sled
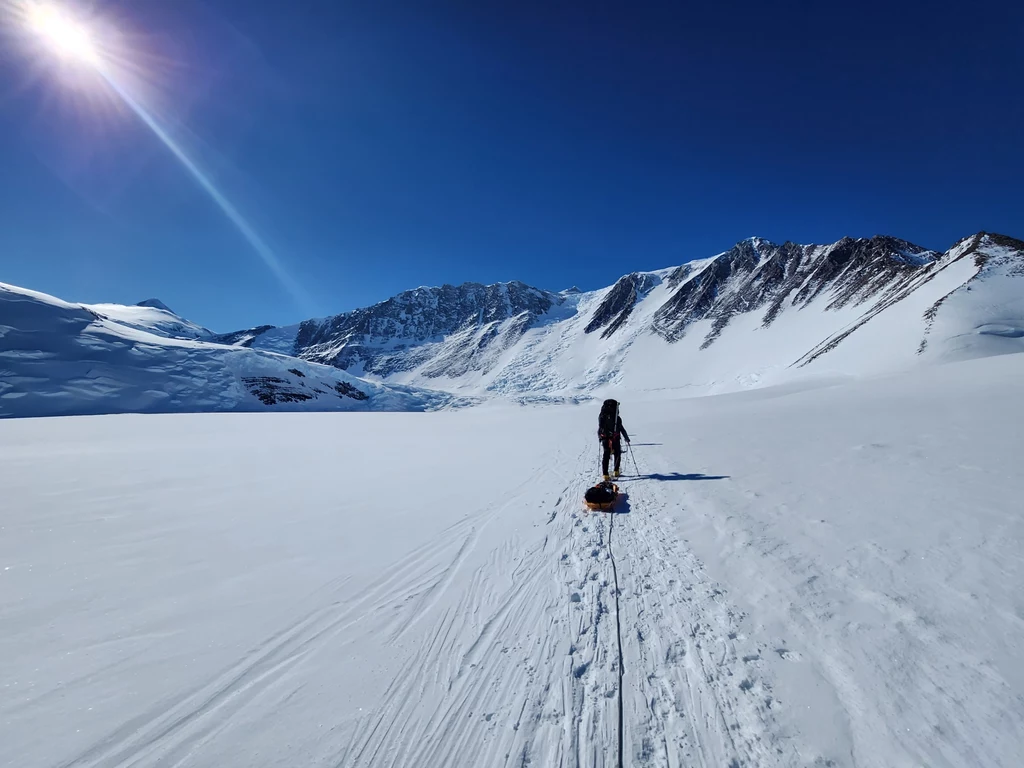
<point>610,432</point>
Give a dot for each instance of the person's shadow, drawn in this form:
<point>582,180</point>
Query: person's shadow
<point>675,476</point>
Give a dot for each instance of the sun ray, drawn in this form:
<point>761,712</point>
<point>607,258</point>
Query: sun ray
<point>75,43</point>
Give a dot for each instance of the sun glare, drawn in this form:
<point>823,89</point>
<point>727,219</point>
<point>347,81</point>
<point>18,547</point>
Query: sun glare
<point>63,35</point>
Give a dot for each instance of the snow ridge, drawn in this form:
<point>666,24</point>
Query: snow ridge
<point>58,358</point>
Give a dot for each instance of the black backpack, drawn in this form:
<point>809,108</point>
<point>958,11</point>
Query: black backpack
<point>600,495</point>
<point>608,421</point>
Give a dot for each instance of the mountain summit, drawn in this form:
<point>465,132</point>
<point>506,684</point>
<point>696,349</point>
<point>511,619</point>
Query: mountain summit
<point>156,304</point>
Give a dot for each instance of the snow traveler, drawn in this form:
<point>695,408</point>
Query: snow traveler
<point>609,432</point>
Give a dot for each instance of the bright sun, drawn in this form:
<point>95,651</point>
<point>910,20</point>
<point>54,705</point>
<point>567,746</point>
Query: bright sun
<point>65,36</point>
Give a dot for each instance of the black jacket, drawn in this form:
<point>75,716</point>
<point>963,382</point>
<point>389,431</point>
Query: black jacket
<point>619,429</point>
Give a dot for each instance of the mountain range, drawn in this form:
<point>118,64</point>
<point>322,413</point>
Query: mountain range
<point>758,314</point>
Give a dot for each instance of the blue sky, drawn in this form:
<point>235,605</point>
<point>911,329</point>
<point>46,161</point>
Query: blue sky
<point>381,146</point>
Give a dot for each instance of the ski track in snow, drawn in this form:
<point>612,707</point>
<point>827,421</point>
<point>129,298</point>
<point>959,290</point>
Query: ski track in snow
<point>171,736</point>
<point>541,682</point>
<point>566,670</point>
<point>694,693</point>
<point>531,684</point>
<point>687,694</point>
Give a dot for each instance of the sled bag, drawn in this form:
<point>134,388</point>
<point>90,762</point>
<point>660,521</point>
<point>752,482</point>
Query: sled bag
<point>600,494</point>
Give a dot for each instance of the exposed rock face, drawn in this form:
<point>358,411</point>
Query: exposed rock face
<point>404,332</point>
<point>618,305</point>
<point>756,274</point>
<point>271,390</point>
<point>517,336</point>
<point>241,338</point>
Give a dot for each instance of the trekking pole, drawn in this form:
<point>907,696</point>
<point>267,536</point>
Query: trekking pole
<point>633,457</point>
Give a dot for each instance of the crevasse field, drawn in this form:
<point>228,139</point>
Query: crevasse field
<point>820,574</point>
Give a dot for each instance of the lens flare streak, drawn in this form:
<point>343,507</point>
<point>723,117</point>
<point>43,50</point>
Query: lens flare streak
<point>72,41</point>
<point>248,232</point>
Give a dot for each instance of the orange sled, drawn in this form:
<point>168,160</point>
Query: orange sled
<point>602,496</point>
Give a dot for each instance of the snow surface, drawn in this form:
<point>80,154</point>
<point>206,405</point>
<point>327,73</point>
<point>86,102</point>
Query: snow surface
<point>824,575</point>
<point>158,320</point>
<point>60,358</point>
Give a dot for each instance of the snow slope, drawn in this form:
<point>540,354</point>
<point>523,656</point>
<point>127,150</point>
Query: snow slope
<point>800,576</point>
<point>152,316</point>
<point>61,358</point>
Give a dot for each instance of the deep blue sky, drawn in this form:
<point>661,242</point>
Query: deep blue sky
<point>378,146</point>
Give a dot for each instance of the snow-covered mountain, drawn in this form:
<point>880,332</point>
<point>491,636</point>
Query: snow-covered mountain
<point>60,358</point>
<point>152,316</point>
<point>757,314</point>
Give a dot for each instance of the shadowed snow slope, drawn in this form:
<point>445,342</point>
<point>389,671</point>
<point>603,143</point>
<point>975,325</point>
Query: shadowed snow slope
<point>820,577</point>
<point>60,358</point>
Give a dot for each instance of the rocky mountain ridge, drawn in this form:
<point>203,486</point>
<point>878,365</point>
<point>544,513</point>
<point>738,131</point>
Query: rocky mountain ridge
<point>437,336</point>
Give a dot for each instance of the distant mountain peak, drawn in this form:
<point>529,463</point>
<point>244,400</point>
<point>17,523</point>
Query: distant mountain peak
<point>156,304</point>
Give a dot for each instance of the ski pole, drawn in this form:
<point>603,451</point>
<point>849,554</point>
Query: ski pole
<point>633,457</point>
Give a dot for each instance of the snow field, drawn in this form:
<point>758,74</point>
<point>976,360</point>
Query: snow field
<point>828,576</point>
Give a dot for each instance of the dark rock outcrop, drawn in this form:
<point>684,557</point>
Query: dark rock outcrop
<point>403,332</point>
<point>618,305</point>
<point>756,274</point>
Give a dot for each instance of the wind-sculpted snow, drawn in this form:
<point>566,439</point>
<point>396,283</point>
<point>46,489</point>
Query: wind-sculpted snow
<point>58,358</point>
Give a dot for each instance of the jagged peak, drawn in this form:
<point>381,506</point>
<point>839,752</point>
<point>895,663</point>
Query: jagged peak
<point>973,244</point>
<point>469,285</point>
<point>899,243</point>
<point>1004,240</point>
<point>754,243</point>
<point>758,242</point>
